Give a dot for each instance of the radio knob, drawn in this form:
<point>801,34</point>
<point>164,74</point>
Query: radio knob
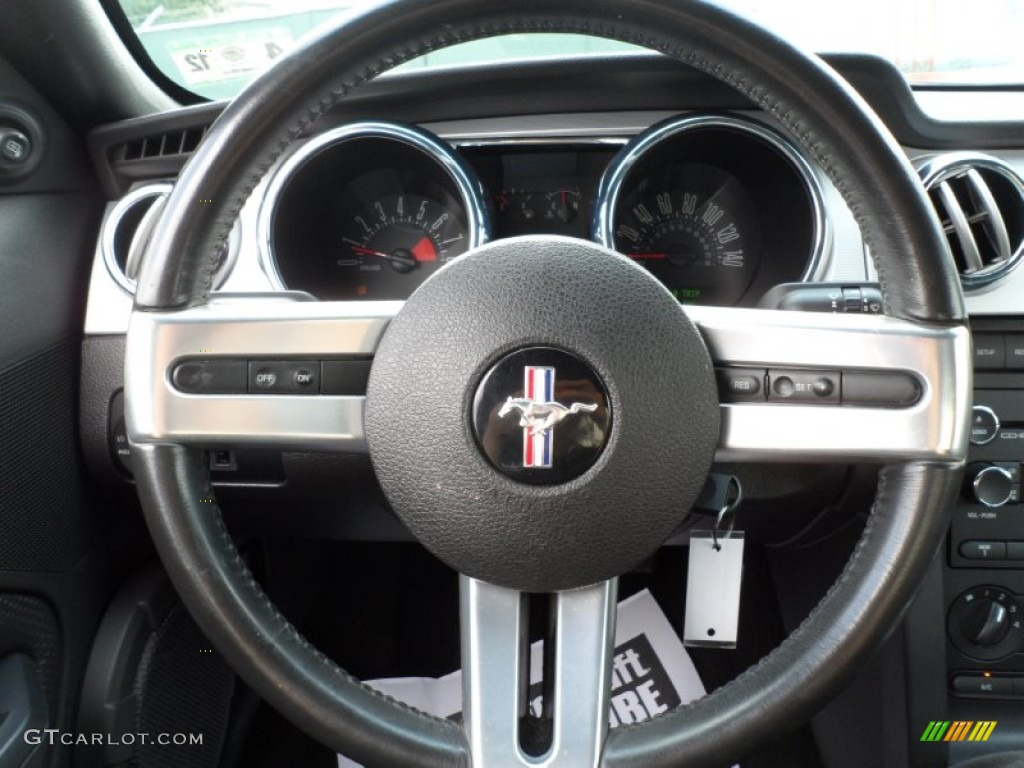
<point>990,485</point>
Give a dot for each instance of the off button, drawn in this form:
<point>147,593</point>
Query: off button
<point>265,378</point>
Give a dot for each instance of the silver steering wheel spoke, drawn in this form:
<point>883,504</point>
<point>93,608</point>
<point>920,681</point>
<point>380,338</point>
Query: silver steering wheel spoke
<point>845,425</point>
<point>495,650</point>
<point>937,358</point>
<point>237,331</point>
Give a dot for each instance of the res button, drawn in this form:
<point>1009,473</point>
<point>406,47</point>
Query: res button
<point>738,384</point>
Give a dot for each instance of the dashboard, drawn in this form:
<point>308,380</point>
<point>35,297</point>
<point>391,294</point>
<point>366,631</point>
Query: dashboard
<point>683,178</point>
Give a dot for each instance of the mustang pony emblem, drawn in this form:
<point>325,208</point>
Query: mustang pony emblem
<point>540,417</point>
<point>539,414</point>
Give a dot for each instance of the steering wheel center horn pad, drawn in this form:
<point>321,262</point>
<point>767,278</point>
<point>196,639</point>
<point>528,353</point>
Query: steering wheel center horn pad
<point>541,303</point>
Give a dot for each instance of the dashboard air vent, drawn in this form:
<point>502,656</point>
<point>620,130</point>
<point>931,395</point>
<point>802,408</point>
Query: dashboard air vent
<point>168,144</point>
<point>980,202</point>
<point>129,226</point>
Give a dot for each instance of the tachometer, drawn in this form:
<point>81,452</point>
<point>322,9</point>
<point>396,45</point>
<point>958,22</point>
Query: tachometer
<point>369,211</point>
<point>398,234</point>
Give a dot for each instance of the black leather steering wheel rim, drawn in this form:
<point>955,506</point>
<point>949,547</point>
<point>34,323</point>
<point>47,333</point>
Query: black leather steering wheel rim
<point>817,109</point>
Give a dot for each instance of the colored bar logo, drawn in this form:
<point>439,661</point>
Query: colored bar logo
<point>539,385</point>
<point>958,730</point>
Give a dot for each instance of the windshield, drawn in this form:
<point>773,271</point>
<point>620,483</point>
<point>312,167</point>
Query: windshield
<point>214,47</point>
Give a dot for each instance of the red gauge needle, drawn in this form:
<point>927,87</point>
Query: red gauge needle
<point>647,256</point>
<point>401,261</point>
<point>370,252</point>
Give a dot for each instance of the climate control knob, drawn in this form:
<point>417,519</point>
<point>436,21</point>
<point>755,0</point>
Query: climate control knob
<point>989,484</point>
<point>985,623</point>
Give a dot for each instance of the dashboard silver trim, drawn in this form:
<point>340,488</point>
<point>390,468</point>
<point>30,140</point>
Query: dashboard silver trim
<point>472,193</point>
<point>554,141</point>
<point>618,171</point>
<point>935,428</point>
<point>494,648</point>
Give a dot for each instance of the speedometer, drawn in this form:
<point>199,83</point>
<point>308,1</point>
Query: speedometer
<point>720,209</point>
<point>695,228</point>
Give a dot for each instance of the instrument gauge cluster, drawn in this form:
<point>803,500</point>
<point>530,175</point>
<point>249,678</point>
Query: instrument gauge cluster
<point>719,208</point>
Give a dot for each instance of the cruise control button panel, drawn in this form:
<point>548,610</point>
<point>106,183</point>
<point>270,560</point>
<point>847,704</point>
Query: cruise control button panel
<point>891,389</point>
<point>238,376</point>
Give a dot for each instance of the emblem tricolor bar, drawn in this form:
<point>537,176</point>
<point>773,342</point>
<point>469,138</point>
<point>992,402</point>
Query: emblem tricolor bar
<point>539,386</point>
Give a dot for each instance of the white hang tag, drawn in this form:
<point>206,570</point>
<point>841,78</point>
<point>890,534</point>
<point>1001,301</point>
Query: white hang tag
<point>713,590</point>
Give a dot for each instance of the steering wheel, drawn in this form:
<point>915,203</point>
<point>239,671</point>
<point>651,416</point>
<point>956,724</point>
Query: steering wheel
<point>515,303</point>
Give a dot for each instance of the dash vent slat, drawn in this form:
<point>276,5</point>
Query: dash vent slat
<point>168,144</point>
<point>980,202</point>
